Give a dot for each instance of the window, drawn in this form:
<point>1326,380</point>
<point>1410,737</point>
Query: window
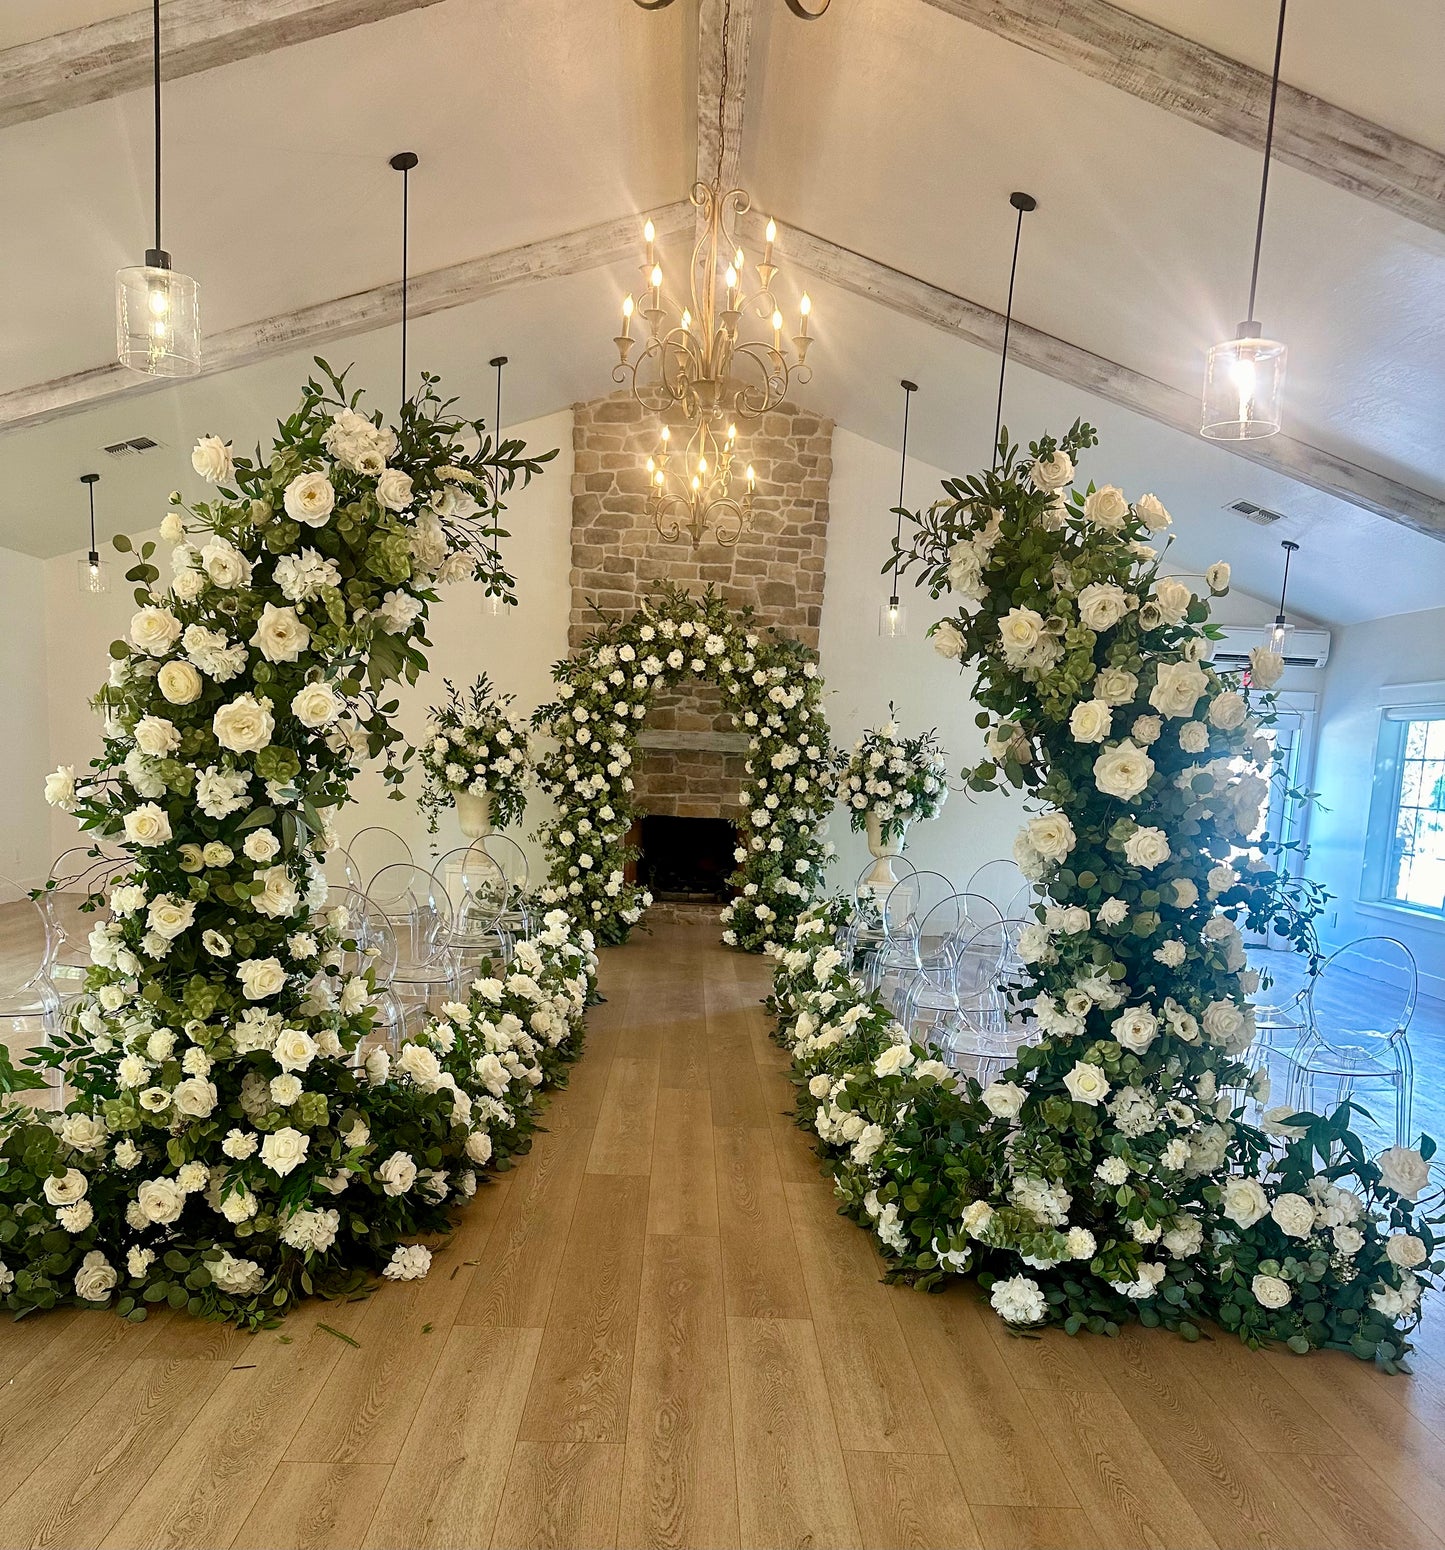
<point>1408,814</point>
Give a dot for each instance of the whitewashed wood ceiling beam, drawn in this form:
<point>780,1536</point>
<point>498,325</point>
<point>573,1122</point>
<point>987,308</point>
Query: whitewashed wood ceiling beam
<point>1080,368</point>
<point>1220,94</point>
<point>106,58</point>
<point>438,290</point>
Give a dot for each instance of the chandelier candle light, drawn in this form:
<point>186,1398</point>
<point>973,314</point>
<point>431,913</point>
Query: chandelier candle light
<point>1244,376</point>
<point>92,574</point>
<point>157,308</point>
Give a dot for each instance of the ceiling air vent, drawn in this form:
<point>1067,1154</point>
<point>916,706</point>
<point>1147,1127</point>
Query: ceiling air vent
<point>132,448</point>
<point>1261,516</point>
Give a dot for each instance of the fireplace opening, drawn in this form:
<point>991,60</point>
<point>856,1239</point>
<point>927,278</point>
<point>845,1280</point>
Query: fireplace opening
<point>687,860</point>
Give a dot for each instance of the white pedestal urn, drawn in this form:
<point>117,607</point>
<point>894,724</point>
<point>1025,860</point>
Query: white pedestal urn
<point>474,813</point>
<point>881,878</point>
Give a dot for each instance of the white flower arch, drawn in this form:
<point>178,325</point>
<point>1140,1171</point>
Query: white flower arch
<point>772,689</point>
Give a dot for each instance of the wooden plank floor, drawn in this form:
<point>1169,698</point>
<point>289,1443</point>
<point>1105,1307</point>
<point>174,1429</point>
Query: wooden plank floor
<point>657,1331</point>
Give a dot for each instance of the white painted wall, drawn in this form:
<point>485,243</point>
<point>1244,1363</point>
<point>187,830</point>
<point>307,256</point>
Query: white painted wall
<point>24,747</point>
<point>1383,662</point>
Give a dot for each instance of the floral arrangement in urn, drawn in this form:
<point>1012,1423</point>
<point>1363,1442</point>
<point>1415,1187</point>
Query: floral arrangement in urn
<point>889,782</point>
<point>1129,1164</point>
<point>477,755</point>
<point>234,1138</point>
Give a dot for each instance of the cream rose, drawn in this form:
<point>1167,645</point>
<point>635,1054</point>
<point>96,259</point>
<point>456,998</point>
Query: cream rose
<point>225,564</point>
<point>1147,847</point>
<point>1123,770</point>
<point>160,1200</point>
<point>1244,1201</point>
<point>1266,667</point>
<point>1177,688</point>
<point>947,640</point>
<point>1102,604</point>
<point>280,635</point>
<point>96,1278</point>
<point>1052,473</point>
<point>195,1097</point>
<point>1051,835</point>
<point>1227,711</point>
<point>1403,1170</point>
<point>310,499</point>
<point>1136,1029</point>
<point>154,630</point>
<point>147,825</point>
<point>156,737</point>
<point>1106,507</point>
<point>295,1049</point>
<point>244,725</point>
<point>1293,1215</point>
<point>1019,631</point>
<point>1270,1291</point>
<point>260,977</point>
<point>60,788</point>
<point>393,489</point>
<point>211,459</point>
<point>316,705</point>
<point>1150,511</point>
<point>1115,686</point>
<point>1405,1250</point>
<point>1087,1083</point>
<point>179,682</point>
<point>1172,598</point>
<point>284,1150</point>
<point>168,916</point>
<point>1091,721</point>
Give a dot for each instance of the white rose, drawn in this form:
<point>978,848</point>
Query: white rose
<point>1087,1083</point>
<point>83,1132</point>
<point>295,1049</point>
<point>225,564</point>
<point>284,1150</point>
<point>1177,688</point>
<point>260,977</point>
<point>1216,578</point>
<point>1101,605</point>
<point>1403,1170</point>
<point>160,1200</point>
<point>1244,1201</point>
<point>1266,667</point>
<point>1405,1250</point>
<point>1293,1215</point>
<point>96,1277</point>
<point>1004,1099</point>
<point>1172,598</point>
<point>1123,770</point>
<point>947,639</point>
<point>154,630</point>
<point>147,825</point>
<point>316,705</point>
<point>211,459</point>
<point>1115,686</point>
<point>67,1189</point>
<point>261,845</point>
<point>1150,511</point>
<point>60,788</point>
<point>1106,507</point>
<point>244,725</point>
<point>155,736</point>
<point>1019,631</point>
<point>280,634</point>
<point>393,489</point>
<point>1194,737</point>
<point>1147,847</point>
<point>397,1173</point>
<point>1227,711</point>
<point>309,499</point>
<point>1052,473</point>
<point>180,683</point>
<point>1270,1291</point>
<point>1136,1029</point>
<point>479,1147</point>
<point>168,917</point>
<point>1051,835</point>
<point>195,1097</point>
<point>1090,721</point>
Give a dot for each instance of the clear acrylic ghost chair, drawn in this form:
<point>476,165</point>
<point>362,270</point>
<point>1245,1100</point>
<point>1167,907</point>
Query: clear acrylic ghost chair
<point>480,896</point>
<point>421,915</point>
<point>512,859</point>
<point>982,1034</point>
<point>375,847</point>
<point>1359,1026</point>
<point>946,971</point>
<point>30,1005</point>
<point>863,933</point>
<point>73,908</point>
<point>905,906</point>
<point>1000,881</point>
<point>1281,1006</point>
<point>341,870</point>
<point>373,947</point>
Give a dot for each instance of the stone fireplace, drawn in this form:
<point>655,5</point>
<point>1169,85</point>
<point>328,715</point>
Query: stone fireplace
<point>692,761</point>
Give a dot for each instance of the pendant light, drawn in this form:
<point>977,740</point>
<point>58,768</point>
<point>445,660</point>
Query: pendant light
<point>495,604</point>
<point>1280,630</point>
<point>92,574</point>
<point>157,308</point>
<point>893,616</point>
<point>403,162</point>
<point>1244,376</point>
<point>1023,203</point>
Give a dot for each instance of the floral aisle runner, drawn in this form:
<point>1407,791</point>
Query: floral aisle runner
<point>235,1141</point>
<point>1112,1173</point>
<point>771,686</point>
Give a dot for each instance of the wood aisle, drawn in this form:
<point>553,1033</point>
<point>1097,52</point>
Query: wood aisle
<point>657,1331</point>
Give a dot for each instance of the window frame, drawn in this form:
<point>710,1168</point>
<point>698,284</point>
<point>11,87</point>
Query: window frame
<point>1386,790</point>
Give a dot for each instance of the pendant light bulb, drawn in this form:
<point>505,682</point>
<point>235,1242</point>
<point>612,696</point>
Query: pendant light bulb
<point>157,308</point>
<point>1244,376</point>
<point>893,616</point>
<point>92,574</point>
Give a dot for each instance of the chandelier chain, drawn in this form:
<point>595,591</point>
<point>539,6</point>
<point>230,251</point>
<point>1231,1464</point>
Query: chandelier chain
<point>156,81</point>
<point>722,95</point>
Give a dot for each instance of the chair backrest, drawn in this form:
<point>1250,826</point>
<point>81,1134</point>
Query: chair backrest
<point>26,948</point>
<point>341,869</point>
<point>909,901</point>
<point>75,907</point>
<point>478,890</point>
<point>510,856</point>
<point>71,865</point>
<point>902,868</point>
<point>370,930</point>
<point>981,958</point>
<point>375,847</point>
<point>419,911</point>
<point>1021,903</point>
<point>1000,881</point>
<point>1369,985</point>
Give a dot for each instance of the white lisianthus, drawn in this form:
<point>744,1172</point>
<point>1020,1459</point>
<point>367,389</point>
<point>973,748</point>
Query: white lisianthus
<point>1123,771</point>
<point>309,499</point>
<point>211,459</point>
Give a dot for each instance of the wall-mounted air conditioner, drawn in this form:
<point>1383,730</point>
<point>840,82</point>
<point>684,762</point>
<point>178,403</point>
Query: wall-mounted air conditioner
<point>1302,648</point>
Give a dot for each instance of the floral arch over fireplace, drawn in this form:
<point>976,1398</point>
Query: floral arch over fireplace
<point>771,687</point>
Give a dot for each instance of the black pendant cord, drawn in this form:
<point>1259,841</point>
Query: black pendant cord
<point>1023,203</point>
<point>1268,149</point>
<point>156,72</point>
<point>909,389</point>
<point>1289,546</point>
<point>497,361</point>
<point>90,481</point>
<point>403,162</point>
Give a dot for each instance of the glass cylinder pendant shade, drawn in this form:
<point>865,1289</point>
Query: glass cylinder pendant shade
<point>1279,634</point>
<point>1243,389</point>
<point>892,620</point>
<point>92,575</point>
<point>157,318</point>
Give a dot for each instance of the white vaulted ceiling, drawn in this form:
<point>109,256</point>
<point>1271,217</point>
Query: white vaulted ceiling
<point>891,128</point>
